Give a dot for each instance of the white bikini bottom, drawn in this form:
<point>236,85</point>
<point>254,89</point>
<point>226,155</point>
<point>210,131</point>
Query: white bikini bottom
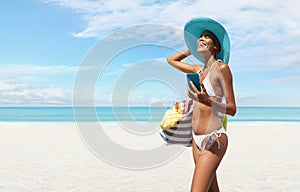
<point>204,142</point>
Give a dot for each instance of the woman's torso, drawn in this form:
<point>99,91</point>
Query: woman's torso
<point>207,119</point>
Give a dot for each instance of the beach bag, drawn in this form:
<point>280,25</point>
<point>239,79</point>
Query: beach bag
<point>178,130</point>
<point>181,132</point>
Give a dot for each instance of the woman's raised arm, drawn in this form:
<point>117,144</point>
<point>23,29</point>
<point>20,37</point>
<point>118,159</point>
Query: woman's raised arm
<point>175,61</point>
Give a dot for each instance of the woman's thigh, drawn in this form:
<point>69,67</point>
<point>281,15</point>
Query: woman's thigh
<point>206,164</point>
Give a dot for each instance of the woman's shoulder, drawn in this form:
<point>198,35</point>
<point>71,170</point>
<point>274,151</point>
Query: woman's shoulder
<point>225,70</point>
<point>223,66</point>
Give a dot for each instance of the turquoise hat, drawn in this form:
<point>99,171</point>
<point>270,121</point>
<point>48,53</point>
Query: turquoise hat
<point>193,29</point>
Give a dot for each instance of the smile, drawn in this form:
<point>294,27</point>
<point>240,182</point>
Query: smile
<point>201,44</point>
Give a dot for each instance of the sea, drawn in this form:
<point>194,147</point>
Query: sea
<point>144,114</point>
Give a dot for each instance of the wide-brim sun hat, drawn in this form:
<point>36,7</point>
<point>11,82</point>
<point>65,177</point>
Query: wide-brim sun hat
<point>194,28</point>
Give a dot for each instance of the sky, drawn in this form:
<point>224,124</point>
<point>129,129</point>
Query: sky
<point>44,44</point>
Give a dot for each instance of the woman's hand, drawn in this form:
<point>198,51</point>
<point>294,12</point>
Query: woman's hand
<point>200,96</point>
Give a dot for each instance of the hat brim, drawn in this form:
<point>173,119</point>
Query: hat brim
<point>193,29</point>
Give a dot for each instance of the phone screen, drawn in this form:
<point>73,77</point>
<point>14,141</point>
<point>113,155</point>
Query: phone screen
<point>194,77</point>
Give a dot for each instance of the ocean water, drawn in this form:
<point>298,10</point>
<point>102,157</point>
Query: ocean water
<point>155,114</point>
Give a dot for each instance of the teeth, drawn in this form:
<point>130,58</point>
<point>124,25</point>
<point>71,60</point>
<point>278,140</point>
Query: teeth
<point>201,44</point>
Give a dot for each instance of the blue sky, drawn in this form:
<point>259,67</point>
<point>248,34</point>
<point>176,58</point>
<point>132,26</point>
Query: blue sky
<point>43,43</point>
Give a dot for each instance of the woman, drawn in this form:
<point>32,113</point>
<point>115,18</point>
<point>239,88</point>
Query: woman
<point>208,41</point>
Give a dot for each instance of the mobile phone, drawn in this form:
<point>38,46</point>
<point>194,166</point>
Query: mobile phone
<point>194,77</point>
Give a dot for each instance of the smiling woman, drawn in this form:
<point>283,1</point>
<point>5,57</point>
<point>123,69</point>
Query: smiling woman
<point>208,41</point>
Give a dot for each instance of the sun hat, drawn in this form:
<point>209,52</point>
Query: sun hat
<point>194,28</point>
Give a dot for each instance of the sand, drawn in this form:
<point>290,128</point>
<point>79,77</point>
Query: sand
<point>43,156</point>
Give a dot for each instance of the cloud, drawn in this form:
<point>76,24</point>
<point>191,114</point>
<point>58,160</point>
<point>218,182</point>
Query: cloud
<point>284,81</point>
<point>31,85</point>
<point>14,93</point>
<point>264,34</point>
<point>15,70</point>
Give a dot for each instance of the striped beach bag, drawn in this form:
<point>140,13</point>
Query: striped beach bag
<point>181,132</point>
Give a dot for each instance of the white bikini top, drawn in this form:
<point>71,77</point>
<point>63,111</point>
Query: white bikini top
<point>208,86</point>
<point>207,83</point>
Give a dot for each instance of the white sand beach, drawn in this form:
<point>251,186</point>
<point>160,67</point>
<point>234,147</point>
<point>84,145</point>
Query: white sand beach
<point>42,156</point>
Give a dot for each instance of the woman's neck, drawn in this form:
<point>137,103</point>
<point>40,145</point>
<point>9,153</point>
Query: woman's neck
<point>209,61</point>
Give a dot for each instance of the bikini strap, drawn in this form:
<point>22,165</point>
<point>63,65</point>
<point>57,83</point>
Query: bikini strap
<point>200,70</point>
<point>217,135</point>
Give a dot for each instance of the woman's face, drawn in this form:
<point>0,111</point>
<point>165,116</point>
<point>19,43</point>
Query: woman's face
<point>205,44</point>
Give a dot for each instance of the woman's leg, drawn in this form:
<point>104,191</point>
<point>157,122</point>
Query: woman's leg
<point>206,164</point>
<point>214,187</point>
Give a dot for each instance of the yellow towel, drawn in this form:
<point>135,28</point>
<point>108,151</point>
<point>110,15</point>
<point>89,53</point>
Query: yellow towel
<point>170,119</point>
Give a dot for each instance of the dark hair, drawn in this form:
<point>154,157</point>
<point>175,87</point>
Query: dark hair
<point>213,38</point>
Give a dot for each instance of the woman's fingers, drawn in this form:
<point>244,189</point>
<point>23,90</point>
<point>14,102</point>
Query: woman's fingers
<point>194,87</point>
<point>191,94</point>
<point>203,88</point>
